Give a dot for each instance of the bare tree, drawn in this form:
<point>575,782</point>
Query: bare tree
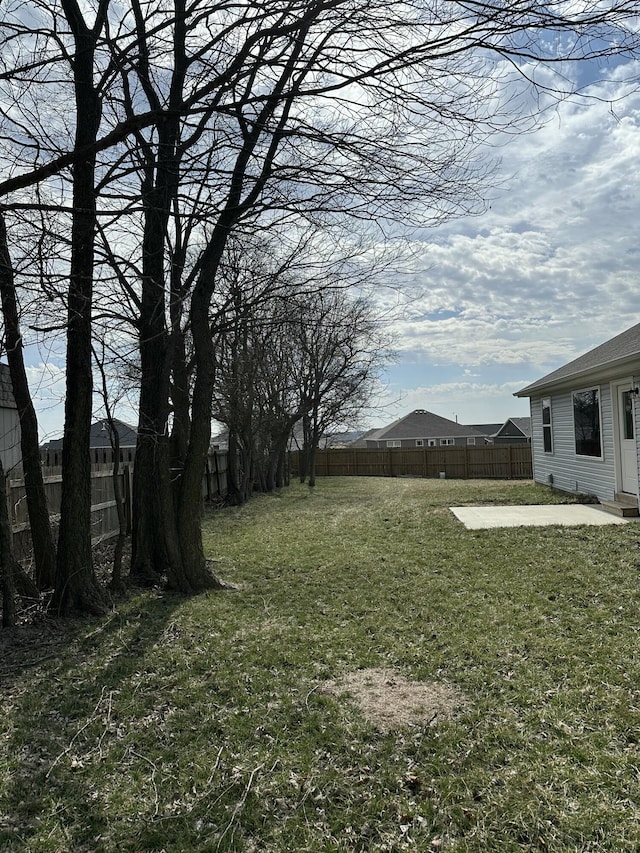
<point>323,107</point>
<point>76,588</point>
<point>343,348</point>
<point>44,551</point>
<point>237,117</point>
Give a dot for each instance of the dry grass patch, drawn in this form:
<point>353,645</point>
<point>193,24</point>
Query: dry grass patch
<point>389,701</point>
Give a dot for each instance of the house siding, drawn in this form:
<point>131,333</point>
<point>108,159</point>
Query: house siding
<point>636,427</point>
<point>9,425</point>
<point>10,446</point>
<point>458,441</point>
<point>568,471</point>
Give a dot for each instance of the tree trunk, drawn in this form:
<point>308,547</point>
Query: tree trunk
<point>314,441</point>
<point>303,453</point>
<point>180,399</point>
<point>44,551</point>
<point>312,465</point>
<point>76,587</point>
<point>235,494</point>
<point>155,541</point>
<point>155,544</point>
<point>196,574</point>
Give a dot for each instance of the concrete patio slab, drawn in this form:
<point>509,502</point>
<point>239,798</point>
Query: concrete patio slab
<point>568,515</point>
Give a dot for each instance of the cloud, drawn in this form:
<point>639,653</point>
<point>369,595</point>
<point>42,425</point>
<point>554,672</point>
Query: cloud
<point>549,271</point>
<point>552,267</point>
<point>468,402</point>
<point>47,385</point>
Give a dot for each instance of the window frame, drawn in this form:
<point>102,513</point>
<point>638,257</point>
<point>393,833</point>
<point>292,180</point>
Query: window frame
<point>447,442</point>
<point>394,442</point>
<point>590,389</point>
<point>547,428</point>
<point>419,442</point>
<point>432,442</point>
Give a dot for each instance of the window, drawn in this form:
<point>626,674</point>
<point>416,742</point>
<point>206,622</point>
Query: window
<point>431,442</point>
<point>419,442</point>
<point>447,441</point>
<point>547,436</point>
<point>586,422</point>
<point>394,443</point>
<point>471,441</point>
<point>627,413</point>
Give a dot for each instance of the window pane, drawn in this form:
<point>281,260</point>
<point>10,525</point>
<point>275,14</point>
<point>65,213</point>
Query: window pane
<point>586,422</point>
<point>546,425</point>
<point>627,402</point>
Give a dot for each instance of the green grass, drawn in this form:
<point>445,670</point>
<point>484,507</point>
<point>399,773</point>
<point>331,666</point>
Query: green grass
<point>199,725</point>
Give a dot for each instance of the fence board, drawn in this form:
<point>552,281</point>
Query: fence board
<point>104,509</point>
<point>502,462</point>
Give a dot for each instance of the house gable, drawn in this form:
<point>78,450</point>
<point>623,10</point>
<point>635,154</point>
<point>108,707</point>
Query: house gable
<point>99,444</point>
<point>7,400</point>
<point>515,428</point>
<point>488,430</point>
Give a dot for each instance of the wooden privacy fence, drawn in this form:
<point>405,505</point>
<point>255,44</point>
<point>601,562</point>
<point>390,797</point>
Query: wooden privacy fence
<point>104,510</point>
<point>506,462</point>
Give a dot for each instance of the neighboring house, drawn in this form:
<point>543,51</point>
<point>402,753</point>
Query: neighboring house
<point>341,439</point>
<point>488,430</point>
<point>514,431</point>
<point>220,441</point>
<point>10,452</point>
<point>100,445</point>
<point>585,419</point>
<point>362,440</point>
<point>423,429</point>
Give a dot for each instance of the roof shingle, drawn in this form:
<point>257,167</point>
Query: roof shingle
<point>626,345</point>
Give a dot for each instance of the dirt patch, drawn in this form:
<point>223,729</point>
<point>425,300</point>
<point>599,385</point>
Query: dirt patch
<point>389,701</point>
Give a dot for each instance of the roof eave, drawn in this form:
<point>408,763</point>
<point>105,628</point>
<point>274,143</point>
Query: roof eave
<point>596,373</point>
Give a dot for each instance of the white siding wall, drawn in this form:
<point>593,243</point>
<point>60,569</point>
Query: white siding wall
<point>10,440</point>
<point>570,472</point>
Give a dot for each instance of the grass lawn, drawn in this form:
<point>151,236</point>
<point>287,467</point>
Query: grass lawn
<point>205,724</point>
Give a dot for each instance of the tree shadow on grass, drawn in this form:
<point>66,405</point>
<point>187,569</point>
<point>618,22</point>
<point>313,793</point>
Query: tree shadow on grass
<point>78,712</point>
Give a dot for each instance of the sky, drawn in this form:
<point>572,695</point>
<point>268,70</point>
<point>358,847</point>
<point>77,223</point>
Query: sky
<point>549,271</point>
